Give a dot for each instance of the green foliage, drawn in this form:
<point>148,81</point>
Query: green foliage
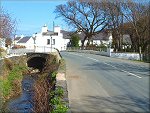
<point>60,109</point>
<point>58,105</point>
<point>6,86</point>
<point>55,100</point>
<point>7,83</point>
<point>58,92</point>
<point>54,75</point>
<point>74,41</point>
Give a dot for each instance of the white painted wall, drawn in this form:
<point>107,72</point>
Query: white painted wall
<point>130,56</point>
<point>60,43</point>
<point>29,44</point>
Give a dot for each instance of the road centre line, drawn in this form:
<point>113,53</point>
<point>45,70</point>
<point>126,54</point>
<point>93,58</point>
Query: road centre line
<point>75,54</point>
<point>116,68</point>
<point>109,65</point>
<point>92,59</point>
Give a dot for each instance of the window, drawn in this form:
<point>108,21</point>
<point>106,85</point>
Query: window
<point>48,41</point>
<point>53,42</point>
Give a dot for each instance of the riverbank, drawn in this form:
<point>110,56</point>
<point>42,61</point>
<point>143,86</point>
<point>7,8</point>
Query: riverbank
<point>35,91</point>
<point>11,74</point>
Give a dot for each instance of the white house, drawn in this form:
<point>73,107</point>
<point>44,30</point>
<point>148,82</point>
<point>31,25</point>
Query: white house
<point>58,39</point>
<point>100,38</point>
<point>51,39</point>
<point>27,41</point>
<point>17,38</point>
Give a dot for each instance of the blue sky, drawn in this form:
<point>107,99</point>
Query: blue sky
<point>32,15</point>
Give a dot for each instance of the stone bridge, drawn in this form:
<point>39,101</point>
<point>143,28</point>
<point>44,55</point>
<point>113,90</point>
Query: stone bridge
<point>39,60</point>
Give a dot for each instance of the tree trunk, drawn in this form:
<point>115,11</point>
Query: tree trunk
<point>82,41</point>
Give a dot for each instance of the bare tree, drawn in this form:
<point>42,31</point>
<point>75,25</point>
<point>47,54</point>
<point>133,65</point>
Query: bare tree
<point>7,25</point>
<point>137,15</point>
<point>87,16</point>
<point>113,9</point>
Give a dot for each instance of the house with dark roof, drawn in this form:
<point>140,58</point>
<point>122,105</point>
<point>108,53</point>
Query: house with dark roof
<point>59,39</point>
<point>100,38</point>
<point>26,41</point>
<point>48,39</point>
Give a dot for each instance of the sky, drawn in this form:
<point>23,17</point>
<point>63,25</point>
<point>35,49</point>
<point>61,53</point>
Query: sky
<point>31,15</point>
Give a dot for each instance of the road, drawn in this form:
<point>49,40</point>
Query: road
<point>102,84</point>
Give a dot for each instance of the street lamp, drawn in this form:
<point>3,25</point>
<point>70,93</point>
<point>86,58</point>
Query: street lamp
<point>51,43</point>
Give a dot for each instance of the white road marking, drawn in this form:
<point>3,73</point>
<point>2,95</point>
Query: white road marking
<point>75,54</point>
<point>123,70</point>
<point>131,74</point>
<point>116,67</point>
<point>109,65</point>
<point>92,59</point>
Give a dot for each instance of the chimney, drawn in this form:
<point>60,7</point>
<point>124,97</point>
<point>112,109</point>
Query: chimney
<point>57,29</point>
<point>44,28</point>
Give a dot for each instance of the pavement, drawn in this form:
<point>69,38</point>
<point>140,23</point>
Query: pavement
<point>102,84</point>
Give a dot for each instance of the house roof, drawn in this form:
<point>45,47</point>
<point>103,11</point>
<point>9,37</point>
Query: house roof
<point>127,39</point>
<point>48,33</point>
<point>99,36</point>
<point>24,39</point>
<point>17,38</point>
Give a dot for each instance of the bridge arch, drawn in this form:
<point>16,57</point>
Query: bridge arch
<point>37,60</point>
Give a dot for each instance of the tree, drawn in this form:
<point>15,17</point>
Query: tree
<point>87,16</point>
<point>113,9</point>
<point>7,25</point>
<point>74,41</point>
<point>8,42</point>
<point>137,15</point>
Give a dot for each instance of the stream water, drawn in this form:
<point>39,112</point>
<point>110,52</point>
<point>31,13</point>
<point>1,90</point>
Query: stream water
<point>24,103</point>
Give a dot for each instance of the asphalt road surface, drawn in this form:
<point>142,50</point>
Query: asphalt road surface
<point>103,84</point>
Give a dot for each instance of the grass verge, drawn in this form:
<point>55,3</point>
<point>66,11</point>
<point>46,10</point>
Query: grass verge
<point>10,81</point>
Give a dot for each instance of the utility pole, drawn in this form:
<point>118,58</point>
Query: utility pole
<point>53,26</point>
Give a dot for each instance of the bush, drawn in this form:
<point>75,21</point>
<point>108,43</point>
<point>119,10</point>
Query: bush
<point>8,64</point>
<point>56,101</point>
<point>18,47</point>
<point>74,41</point>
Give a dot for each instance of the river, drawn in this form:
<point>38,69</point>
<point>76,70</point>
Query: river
<point>25,102</point>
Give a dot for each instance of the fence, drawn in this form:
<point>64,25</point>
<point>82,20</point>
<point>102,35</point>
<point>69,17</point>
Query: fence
<point>38,49</point>
<point>98,51</point>
<point>107,52</point>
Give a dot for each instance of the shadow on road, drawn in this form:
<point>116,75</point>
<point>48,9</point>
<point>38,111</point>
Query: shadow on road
<point>144,71</point>
<point>116,104</point>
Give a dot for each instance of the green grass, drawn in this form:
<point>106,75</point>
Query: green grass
<point>58,105</point>
<point>7,84</point>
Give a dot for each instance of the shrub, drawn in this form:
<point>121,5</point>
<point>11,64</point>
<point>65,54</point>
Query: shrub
<point>8,64</point>
<point>18,47</point>
<point>56,101</point>
<point>74,41</point>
